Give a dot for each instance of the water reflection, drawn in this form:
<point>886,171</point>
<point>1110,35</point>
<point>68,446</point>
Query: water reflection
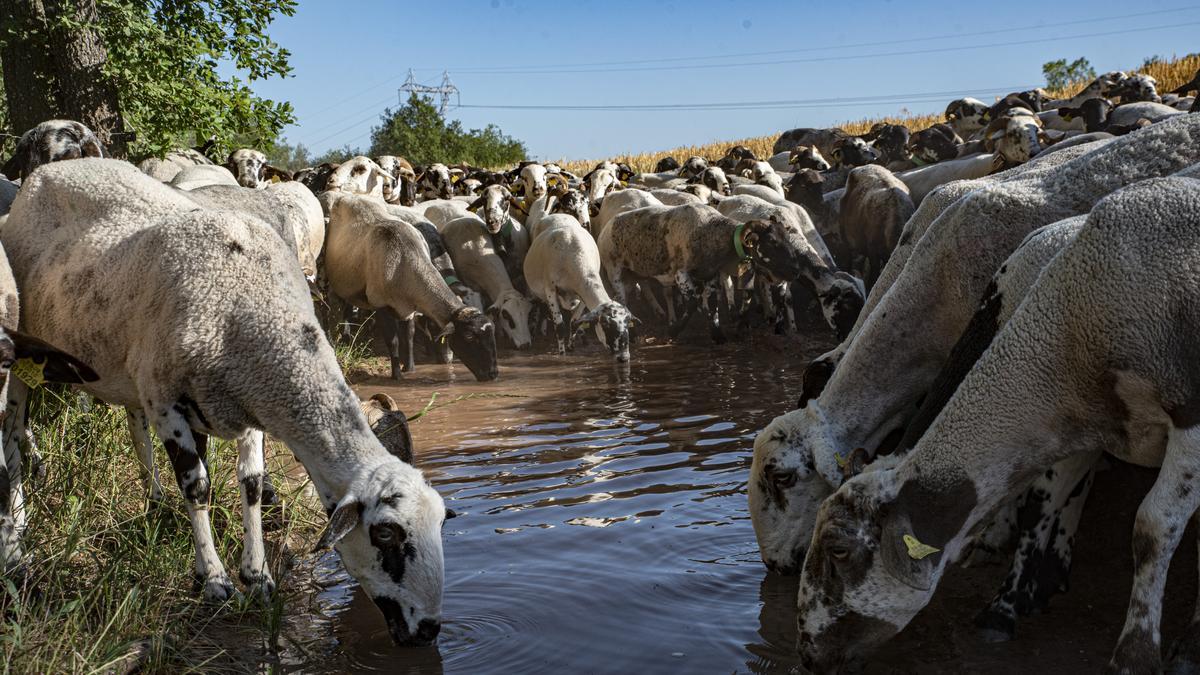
<point>603,523</point>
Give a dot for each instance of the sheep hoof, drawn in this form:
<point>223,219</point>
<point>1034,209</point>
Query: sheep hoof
<point>1184,656</point>
<point>219,589</point>
<point>995,626</point>
<point>258,585</point>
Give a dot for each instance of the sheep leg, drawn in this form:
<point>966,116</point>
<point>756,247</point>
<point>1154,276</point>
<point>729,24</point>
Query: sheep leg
<point>690,293</point>
<point>1185,653</point>
<point>714,303</point>
<point>251,473</point>
<point>187,450</point>
<point>11,512</point>
<point>557,319</point>
<point>1157,530</point>
<point>1047,521</point>
<point>16,430</point>
<point>139,430</point>
<point>389,328</point>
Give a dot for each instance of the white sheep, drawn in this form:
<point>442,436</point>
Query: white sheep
<point>361,176</point>
<point>475,259</point>
<point>916,316</point>
<point>1085,364</point>
<point>206,327</point>
<point>202,175</point>
<point>562,269</point>
<point>376,261</point>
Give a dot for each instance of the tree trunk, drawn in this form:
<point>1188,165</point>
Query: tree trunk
<point>85,92</point>
<point>27,67</point>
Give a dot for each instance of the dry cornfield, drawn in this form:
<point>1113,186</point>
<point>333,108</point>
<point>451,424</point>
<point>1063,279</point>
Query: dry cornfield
<point>1170,74</point>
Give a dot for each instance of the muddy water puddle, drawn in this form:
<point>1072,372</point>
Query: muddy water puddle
<point>604,528</point>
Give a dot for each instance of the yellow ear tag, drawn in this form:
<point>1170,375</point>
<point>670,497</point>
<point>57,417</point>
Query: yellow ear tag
<point>842,462</point>
<point>917,550</point>
<point>30,372</point>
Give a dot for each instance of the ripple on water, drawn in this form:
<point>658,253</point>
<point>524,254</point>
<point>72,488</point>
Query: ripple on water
<point>603,522</point>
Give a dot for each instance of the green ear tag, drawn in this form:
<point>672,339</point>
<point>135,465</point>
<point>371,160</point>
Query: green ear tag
<point>30,372</point>
<point>917,550</point>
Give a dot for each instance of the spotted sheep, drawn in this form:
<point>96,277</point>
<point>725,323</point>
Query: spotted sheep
<point>807,157</point>
<point>823,140</point>
<point>251,169</point>
<point>620,202</point>
<point>854,398</point>
<point>1082,366</point>
<point>475,258</point>
<point>714,179</point>
<point>401,171</point>
<point>570,203</point>
<point>688,248</point>
<point>361,176</point>
<point>377,261</point>
<point>101,249</point>
<point>51,141</point>
<point>966,116</point>
<point>562,271</point>
<point>840,294</point>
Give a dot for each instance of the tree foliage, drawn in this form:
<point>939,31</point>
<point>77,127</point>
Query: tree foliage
<point>1060,74</point>
<point>165,55</point>
<point>419,133</point>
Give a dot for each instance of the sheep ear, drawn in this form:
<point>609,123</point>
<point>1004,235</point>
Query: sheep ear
<point>477,204</point>
<point>906,558</point>
<point>343,519</point>
<point>55,365</point>
<point>450,513</point>
<point>583,322</point>
<point>446,332</point>
<point>387,402</point>
<point>271,173</point>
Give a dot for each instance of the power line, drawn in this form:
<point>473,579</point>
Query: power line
<point>828,59</point>
<point>799,50</point>
<point>342,101</point>
<point>923,97</point>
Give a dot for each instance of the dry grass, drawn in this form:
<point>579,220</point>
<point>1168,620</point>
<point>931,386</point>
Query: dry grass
<point>1170,74</point>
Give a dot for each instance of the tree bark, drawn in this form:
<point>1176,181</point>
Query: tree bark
<point>85,92</point>
<point>27,67</point>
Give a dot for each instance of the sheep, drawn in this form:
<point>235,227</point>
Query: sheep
<point>735,156</point>
<point>175,161</point>
<point>251,169</point>
<point>493,205</point>
<point>8,192</point>
<point>923,180</point>
<point>925,293</point>
<point>208,329</point>
<point>202,175</point>
<point>1015,137</point>
<point>51,141</point>
<point>1136,87</point>
<point>713,178</point>
<point>477,263</point>
<point>597,185</point>
<point>1129,113</point>
<point>666,164</point>
<point>689,247</point>
<point>892,141</point>
<point>288,207</point>
<point>692,167</point>
<point>807,157</point>
<point>966,116</point>
<point>1085,343</point>
<point>316,178</point>
<point>390,426</point>
<point>533,178</point>
<point>572,204</point>
<point>375,261</point>
<point>433,181</point>
<point>361,176</point>
<point>405,192</point>
<point>823,140</point>
<point>440,211</point>
<point>874,210</point>
<point>679,196</point>
<point>938,143</point>
<point>620,202</point>
<point>562,269</point>
<point>840,295</point>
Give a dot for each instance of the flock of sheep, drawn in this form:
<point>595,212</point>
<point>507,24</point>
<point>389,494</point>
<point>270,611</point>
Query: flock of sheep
<point>1015,290</point>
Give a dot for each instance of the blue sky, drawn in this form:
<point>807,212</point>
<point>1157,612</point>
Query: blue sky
<point>351,56</point>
